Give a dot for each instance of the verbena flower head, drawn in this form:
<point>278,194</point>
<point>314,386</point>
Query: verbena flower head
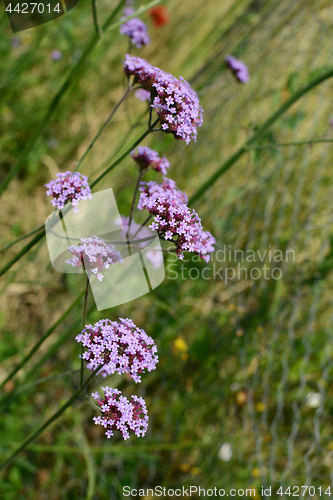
<point>95,254</point>
<point>68,186</point>
<point>143,95</point>
<point>120,413</point>
<point>176,103</point>
<point>174,220</point>
<point>135,29</point>
<point>238,68</point>
<point>118,346</point>
<point>148,158</point>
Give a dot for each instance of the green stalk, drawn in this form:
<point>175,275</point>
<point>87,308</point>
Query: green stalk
<point>41,340</point>
<point>274,145</point>
<point>128,90</point>
<point>20,238</point>
<point>69,80</point>
<point>120,159</point>
<point>94,13</point>
<point>84,324</point>
<point>21,64</point>
<point>262,130</point>
<point>218,173</point>
<point>14,395</point>
<point>42,234</point>
<point>52,419</point>
<point>22,252</point>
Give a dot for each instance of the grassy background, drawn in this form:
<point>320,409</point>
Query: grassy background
<point>237,360</point>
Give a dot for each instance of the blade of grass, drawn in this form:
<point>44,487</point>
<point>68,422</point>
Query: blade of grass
<point>22,252</point>
<point>50,421</point>
<point>94,13</point>
<point>107,27</point>
<point>261,131</point>
<point>61,339</point>
<point>42,233</point>
<point>20,66</point>
<point>20,238</point>
<point>81,439</point>
<point>119,449</point>
<point>218,173</point>
<point>42,339</point>
<point>121,158</point>
<point>273,145</point>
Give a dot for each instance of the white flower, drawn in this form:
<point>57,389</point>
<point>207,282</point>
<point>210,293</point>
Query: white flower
<point>314,399</point>
<point>225,452</point>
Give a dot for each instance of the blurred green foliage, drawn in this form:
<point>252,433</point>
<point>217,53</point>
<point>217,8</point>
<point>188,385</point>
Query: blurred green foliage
<point>240,359</point>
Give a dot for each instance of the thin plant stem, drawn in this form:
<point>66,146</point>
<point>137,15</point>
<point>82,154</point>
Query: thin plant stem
<point>150,115</point>
<point>107,27</point>
<point>21,64</point>
<point>85,303</point>
<point>128,90</point>
<point>261,131</point>
<point>14,394</point>
<point>118,448</point>
<point>120,159</point>
<point>20,238</point>
<point>141,240</point>
<point>42,380</point>
<point>54,104</point>
<point>91,403</point>
<point>137,13</point>
<point>162,250</point>
<point>133,203</point>
<point>41,341</point>
<point>52,419</point>
<point>142,225</point>
<point>218,173</point>
<point>22,252</point>
<point>42,234</point>
<point>84,324</point>
<point>272,145</point>
<point>94,14</point>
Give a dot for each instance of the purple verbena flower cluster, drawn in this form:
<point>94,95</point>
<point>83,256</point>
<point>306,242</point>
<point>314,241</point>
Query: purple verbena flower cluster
<point>176,103</point>
<point>95,254</point>
<point>174,220</point>
<point>68,186</point>
<point>238,68</point>
<point>146,157</point>
<point>118,346</point>
<point>135,29</point>
<point>120,413</point>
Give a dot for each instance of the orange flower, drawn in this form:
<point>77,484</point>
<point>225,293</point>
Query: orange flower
<point>159,16</point>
